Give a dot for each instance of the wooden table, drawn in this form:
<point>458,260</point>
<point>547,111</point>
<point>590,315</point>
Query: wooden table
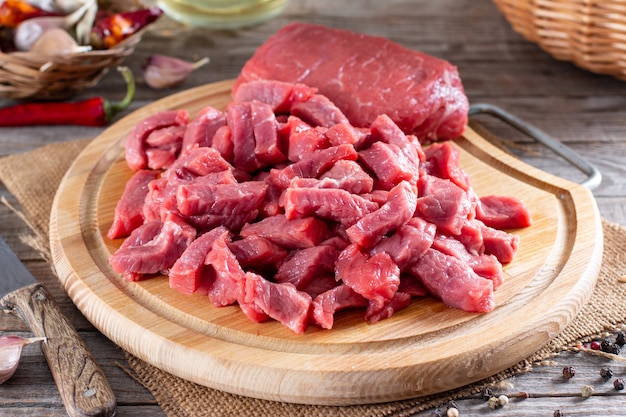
<point>583,110</point>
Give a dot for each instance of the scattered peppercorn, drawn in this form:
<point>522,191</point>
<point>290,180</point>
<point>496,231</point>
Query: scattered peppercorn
<point>606,372</point>
<point>618,384</point>
<point>604,345</point>
<point>503,400</point>
<point>569,372</point>
<point>586,391</point>
<point>557,413</point>
<point>452,412</point>
<point>614,349</point>
<point>523,395</point>
<point>595,345</point>
<point>436,413</point>
<point>620,338</point>
<point>493,403</point>
<point>486,393</point>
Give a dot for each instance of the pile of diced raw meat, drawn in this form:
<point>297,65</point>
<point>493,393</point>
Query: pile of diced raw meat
<point>279,205</point>
<point>311,193</point>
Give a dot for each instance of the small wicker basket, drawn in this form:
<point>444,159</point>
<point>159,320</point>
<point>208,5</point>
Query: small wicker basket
<point>25,75</point>
<point>589,33</point>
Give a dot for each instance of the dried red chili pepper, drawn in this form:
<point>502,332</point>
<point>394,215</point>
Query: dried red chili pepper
<point>109,29</point>
<point>95,111</point>
<point>14,12</point>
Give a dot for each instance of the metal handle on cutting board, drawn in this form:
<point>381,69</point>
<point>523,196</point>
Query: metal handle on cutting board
<point>593,174</point>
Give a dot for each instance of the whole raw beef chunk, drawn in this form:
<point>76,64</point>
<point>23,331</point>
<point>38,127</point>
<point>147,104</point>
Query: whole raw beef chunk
<point>366,76</point>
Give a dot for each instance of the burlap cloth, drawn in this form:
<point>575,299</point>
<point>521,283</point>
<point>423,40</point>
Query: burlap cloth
<point>34,189</point>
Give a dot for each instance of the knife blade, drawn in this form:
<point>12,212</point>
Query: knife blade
<point>83,386</point>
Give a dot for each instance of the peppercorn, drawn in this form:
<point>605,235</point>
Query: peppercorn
<point>586,391</point>
<point>452,412</point>
<point>436,413</point>
<point>523,395</point>
<point>618,384</point>
<point>503,400</point>
<point>614,349</point>
<point>493,403</point>
<point>569,372</point>
<point>557,413</point>
<point>452,404</point>
<point>604,345</point>
<point>620,338</point>
<point>486,393</point>
<point>606,372</point>
<point>595,345</point>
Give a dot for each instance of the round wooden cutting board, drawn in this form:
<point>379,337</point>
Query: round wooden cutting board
<point>424,349</point>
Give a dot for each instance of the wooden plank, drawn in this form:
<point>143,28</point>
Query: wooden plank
<point>549,391</point>
<point>57,411</point>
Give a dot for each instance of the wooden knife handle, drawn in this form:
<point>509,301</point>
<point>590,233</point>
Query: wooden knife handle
<point>84,388</point>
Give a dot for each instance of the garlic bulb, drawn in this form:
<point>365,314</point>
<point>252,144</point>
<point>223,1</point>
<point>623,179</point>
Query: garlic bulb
<point>27,32</point>
<point>10,353</point>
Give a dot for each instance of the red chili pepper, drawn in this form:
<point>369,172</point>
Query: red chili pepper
<point>110,29</point>
<point>95,111</point>
<point>14,12</point>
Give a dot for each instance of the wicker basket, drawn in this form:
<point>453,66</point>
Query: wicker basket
<point>589,33</point>
<point>25,75</point>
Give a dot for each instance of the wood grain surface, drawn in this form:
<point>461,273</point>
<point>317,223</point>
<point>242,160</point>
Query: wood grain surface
<point>497,65</point>
<point>416,352</point>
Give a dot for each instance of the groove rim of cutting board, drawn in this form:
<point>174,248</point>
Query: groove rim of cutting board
<point>354,363</point>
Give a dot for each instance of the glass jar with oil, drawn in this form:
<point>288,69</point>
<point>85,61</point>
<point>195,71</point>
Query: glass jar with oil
<point>222,14</point>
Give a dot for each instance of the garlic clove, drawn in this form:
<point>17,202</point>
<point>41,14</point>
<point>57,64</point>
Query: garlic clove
<point>10,353</point>
<point>162,71</point>
<point>55,42</point>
